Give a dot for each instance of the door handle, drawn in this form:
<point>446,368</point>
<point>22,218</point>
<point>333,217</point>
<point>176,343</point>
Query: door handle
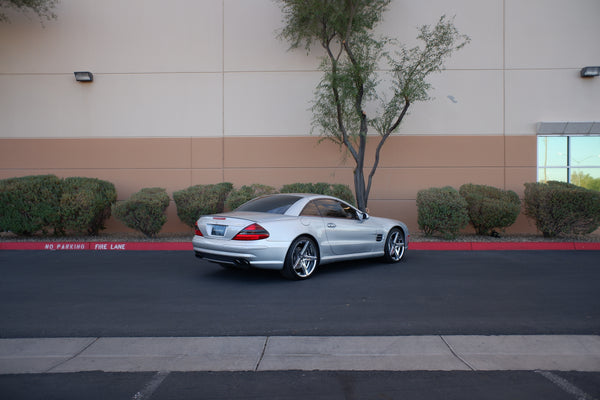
<point>331,225</point>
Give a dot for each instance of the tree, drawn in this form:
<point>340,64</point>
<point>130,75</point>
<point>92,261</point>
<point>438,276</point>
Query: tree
<point>585,180</point>
<point>43,8</point>
<point>360,73</point>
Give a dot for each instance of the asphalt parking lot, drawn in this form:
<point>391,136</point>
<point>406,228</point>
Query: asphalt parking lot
<point>536,302</point>
<point>156,294</point>
<point>300,385</point>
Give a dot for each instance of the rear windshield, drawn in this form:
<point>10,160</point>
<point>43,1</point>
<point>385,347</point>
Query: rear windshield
<point>270,204</point>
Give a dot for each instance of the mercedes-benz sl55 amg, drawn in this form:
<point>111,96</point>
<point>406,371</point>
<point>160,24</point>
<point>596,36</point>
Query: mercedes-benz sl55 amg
<point>295,233</point>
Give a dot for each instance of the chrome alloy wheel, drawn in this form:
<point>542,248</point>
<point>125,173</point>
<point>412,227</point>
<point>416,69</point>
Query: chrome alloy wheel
<point>394,246</point>
<point>301,260</point>
<point>304,258</point>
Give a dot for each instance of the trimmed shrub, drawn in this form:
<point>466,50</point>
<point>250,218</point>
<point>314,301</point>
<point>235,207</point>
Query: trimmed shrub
<point>145,211</point>
<point>560,208</point>
<point>441,210</point>
<point>199,200</point>
<point>490,208</point>
<point>342,192</point>
<point>86,204</point>
<point>338,190</point>
<point>298,188</point>
<point>29,204</point>
<point>237,197</point>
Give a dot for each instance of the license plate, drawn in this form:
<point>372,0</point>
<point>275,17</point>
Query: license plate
<point>218,230</point>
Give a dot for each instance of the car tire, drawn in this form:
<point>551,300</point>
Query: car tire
<point>301,259</point>
<point>395,246</point>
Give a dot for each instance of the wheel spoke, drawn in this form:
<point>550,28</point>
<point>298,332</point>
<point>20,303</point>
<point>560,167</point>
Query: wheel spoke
<point>304,248</point>
<point>304,269</point>
<point>297,261</point>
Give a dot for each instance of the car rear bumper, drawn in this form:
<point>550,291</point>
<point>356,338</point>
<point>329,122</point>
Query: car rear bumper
<point>257,254</point>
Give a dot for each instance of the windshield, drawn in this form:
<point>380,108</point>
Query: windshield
<point>270,204</point>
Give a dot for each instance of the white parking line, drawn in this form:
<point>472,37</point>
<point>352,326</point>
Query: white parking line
<point>565,385</point>
<point>151,386</point>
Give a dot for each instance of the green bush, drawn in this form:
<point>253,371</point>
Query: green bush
<point>441,210</point>
<point>85,204</point>
<point>29,204</point>
<point>237,197</point>
<point>490,208</point>
<point>145,211</point>
<point>298,188</point>
<point>560,208</point>
<point>336,190</point>
<point>199,200</point>
<point>342,192</point>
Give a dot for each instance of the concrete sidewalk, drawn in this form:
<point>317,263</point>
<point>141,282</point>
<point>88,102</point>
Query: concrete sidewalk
<point>256,353</point>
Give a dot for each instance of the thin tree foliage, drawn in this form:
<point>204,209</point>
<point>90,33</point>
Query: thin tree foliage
<point>369,81</point>
<point>44,9</point>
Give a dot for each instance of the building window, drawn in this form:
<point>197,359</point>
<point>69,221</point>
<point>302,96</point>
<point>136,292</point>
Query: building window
<point>571,158</point>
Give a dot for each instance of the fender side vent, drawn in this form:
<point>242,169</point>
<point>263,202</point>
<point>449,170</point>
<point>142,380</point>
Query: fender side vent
<point>379,237</point>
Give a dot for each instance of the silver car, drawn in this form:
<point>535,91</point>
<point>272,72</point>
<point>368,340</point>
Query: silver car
<point>294,233</point>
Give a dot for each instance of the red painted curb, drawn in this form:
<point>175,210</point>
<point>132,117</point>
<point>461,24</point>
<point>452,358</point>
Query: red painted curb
<point>587,246</point>
<point>478,246</point>
<point>100,246</point>
<point>450,246</point>
<point>187,246</point>
<point>489,246</point>
<point>141,246</point>
<point>44,246</point>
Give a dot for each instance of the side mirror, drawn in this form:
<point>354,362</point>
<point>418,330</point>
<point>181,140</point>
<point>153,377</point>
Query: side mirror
<point>364,216</point>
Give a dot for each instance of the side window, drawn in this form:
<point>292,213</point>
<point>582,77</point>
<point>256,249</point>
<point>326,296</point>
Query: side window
<point>311,210</point>
<point>349,211</point>
<point>334,209</point>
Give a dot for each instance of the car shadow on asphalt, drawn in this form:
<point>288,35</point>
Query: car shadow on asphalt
<point>248,275</point>
<point>355,266</point>
<point>255,275</point>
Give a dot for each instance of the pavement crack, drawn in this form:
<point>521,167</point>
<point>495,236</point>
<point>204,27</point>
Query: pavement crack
<point>262,354</point>
<point>456,354</point>
<point>73,356</point>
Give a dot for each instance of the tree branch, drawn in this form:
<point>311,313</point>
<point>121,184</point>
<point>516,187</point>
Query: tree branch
<point>336,96</point>
<point>382,142</point>
<point>400,117</point>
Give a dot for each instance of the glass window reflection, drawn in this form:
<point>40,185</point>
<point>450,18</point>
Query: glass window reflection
<point>573,159</point>
<point>588,178</point>
<point>552,151</point>
<point>585,151</point>
<point>553,174</point>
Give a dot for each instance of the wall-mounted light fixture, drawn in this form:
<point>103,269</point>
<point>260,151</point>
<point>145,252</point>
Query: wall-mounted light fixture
<point>589,72</point>
<point>83,76</point>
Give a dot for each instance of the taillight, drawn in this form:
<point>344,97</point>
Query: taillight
<point>252,232</point>
<point>197,230</point>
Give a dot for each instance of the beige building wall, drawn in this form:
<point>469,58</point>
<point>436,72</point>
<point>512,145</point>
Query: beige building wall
<point>201,91</point>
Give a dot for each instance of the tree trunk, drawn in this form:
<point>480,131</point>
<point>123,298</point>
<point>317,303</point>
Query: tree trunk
<point>359,189</point>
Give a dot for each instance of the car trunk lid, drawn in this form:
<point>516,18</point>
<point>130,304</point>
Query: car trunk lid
<point>226,226</point>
